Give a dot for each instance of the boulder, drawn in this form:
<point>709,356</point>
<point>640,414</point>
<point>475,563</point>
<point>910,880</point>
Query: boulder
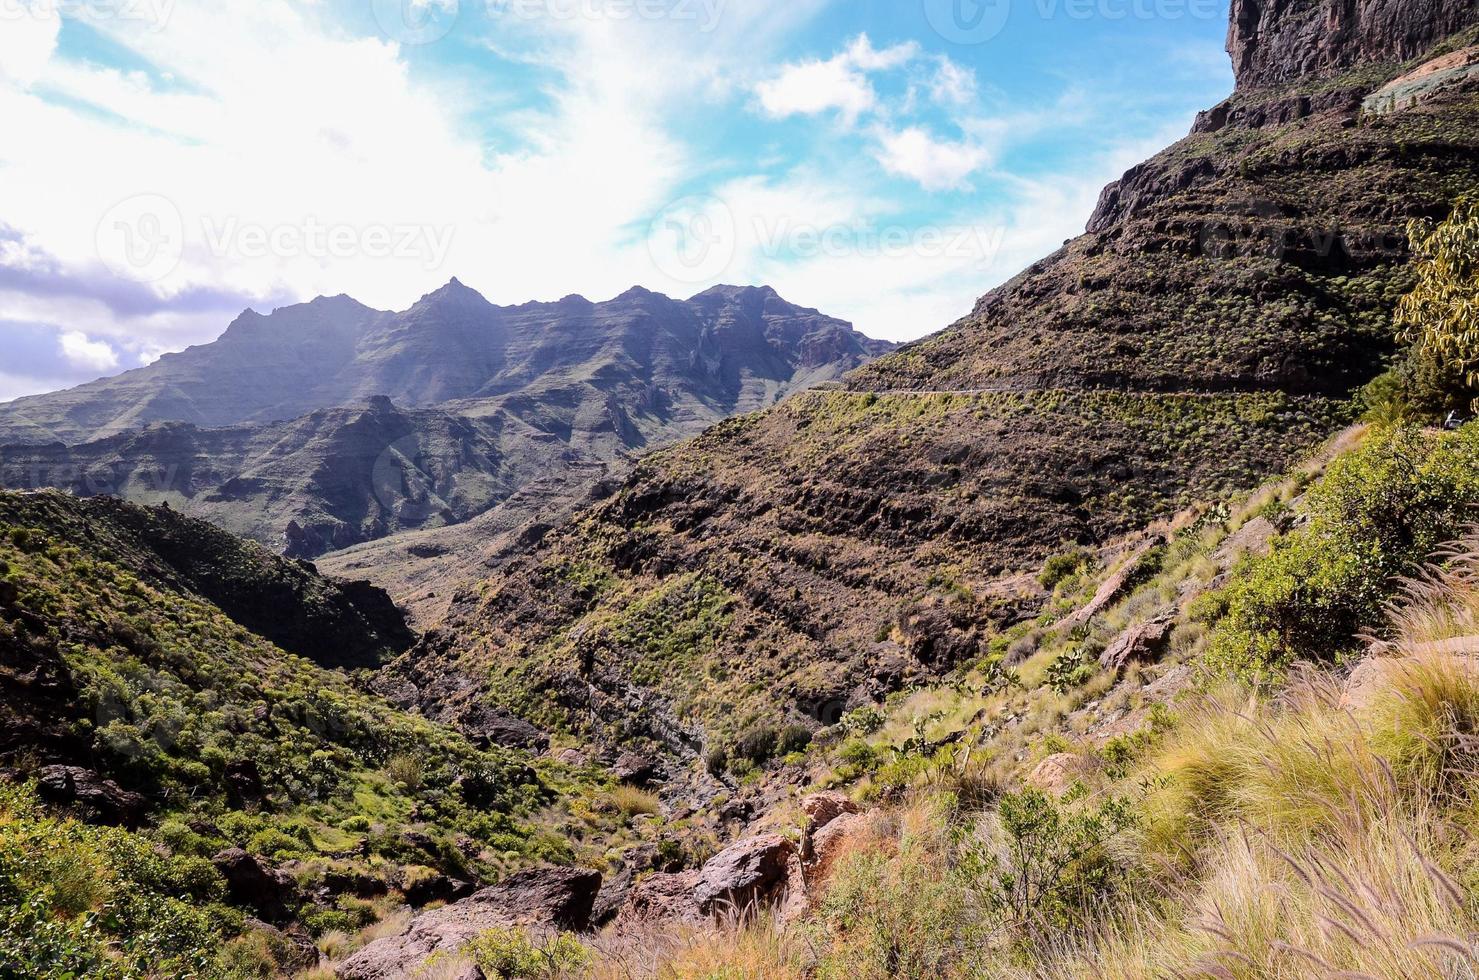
<point>105,799</point>
<point>488,726</point>
<point>271,892</point>
<point>822,808</point>
<point>662,897</point>
<point>538,898</point>
<point>1144,641</point>
<point>636,769</point>
<point>745,876</point>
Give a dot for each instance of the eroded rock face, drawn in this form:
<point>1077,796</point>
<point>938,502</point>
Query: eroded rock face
<point>105,799</point>
<point>822,808</point>
<point>1144,641</point>
<point>250,882</point>
<point>1277,41</point>
<point>828,843</point>
<point>662,897</point>
<point>557,898</point>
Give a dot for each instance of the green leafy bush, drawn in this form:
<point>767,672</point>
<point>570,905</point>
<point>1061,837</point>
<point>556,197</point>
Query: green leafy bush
<point>509,953</point>
<point>1376,513</point>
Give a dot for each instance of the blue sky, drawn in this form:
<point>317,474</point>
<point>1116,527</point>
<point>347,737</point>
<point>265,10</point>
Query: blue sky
<point>167,163</point>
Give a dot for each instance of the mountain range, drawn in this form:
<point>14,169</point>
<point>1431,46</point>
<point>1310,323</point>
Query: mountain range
<point>329,424</point>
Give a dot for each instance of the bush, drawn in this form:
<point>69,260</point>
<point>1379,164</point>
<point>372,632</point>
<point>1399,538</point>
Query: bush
<point>509,953</point>
<point>792,738</point>
<point>1378,511</point>
<point>1070,669</point>
<point>1060,567</point>
<point>1437,318</point>
<point>756,745</point>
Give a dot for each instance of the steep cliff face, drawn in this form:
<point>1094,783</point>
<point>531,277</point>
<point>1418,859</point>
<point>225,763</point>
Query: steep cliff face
<point>1275,42</point>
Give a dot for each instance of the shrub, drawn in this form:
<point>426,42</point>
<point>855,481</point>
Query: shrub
<point>1059,567</point>
<point>630,801</point>
<point>1054,865</point>
<point>509,953</point>
<point>756,745</point>
<point>1378,511</point>
<point>792,738</point>
<point>1070,669</point>
<point>1438,317</point>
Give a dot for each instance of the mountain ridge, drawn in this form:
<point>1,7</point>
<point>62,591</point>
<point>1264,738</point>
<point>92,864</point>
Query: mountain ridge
<point>327,424</point>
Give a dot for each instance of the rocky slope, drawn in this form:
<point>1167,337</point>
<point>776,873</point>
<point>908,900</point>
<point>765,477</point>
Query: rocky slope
<point>1228,298</point>
<point>329,424</point>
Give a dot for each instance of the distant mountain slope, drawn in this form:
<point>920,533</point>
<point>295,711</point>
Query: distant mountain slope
<point>423,419</point>
<point>724,350</point>
<point>1228,298</point>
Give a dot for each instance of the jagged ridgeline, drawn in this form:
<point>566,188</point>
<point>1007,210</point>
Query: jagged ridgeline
<point>1230,298</point>
<point>329,424</point>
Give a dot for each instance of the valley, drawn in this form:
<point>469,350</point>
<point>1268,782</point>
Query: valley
<point>1124,627</point>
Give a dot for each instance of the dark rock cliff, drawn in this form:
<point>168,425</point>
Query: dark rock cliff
<point>1275,42</point>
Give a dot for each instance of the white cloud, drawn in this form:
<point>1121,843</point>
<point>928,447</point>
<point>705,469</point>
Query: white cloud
<point>935,165</point>
<point>82,351</point>
<point>952,84</point>
<point>28,35</point>
<point>841,82</point>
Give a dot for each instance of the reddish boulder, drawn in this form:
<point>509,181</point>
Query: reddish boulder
<point>745,876</point>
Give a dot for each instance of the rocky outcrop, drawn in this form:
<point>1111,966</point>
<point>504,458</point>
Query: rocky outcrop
<point>99,798</point>
<point>249,882</point>
<point>745,876</point>
<point>1113,587</point>
<point>822,808</point>
<point>1274,42</point>
<point>1143,641</point>
<point>539,898</point>
<point>662,897</point>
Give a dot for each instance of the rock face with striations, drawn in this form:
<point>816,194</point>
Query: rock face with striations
<point>1274,42</point>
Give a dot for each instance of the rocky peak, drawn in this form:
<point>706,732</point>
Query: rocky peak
<point>1275,42</point>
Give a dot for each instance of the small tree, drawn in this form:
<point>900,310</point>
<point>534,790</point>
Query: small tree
<point>1440,317</point>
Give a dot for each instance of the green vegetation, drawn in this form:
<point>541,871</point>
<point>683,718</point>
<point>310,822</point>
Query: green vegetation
<point>1440,317</point>
<point>232,742</point>
<point>510,954</point>
<point>1377,513</point>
